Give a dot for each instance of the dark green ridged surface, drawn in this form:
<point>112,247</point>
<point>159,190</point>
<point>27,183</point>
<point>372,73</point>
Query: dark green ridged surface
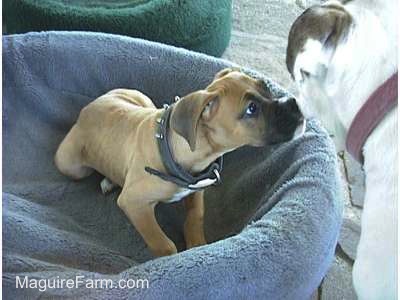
<point>199,25</point>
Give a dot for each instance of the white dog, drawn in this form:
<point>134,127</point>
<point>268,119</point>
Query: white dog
<point>339,54</point>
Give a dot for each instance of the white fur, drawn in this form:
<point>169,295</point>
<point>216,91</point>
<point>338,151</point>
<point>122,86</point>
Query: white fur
<point>107,185</point>
<point>300,130</point>
<point>339,84</point>
<point>182,193</point>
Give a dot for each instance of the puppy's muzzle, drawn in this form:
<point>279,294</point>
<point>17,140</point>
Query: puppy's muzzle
<point>287,121</point>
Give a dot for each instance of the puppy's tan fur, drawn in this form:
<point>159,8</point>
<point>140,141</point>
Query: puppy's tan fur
<point>114,135</point>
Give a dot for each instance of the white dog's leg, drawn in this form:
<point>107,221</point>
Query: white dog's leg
<point>107,185</point>
<point>374,271</point>
<point>375,268</point>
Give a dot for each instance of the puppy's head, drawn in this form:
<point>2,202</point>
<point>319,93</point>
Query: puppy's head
<point>235,110</point>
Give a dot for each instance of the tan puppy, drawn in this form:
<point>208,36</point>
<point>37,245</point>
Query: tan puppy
<point>115,135</point>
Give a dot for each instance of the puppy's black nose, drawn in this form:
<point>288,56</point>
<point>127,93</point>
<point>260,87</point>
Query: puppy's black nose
<point>284,120</point>
<point>291,109</point>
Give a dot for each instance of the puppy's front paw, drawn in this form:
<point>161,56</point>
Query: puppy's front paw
<point>107,185</point>
<point>196,243</point>
<point>165,249</point>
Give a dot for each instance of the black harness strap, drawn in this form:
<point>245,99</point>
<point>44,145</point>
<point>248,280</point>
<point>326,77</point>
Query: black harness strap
<point>175,173</point>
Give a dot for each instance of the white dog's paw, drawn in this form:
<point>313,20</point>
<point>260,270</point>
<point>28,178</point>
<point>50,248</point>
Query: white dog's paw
<point>107,185</point>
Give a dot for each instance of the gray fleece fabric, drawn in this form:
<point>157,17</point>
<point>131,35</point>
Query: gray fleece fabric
<point>272,225</point>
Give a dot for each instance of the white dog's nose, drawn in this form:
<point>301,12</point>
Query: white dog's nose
<point>300,129</point>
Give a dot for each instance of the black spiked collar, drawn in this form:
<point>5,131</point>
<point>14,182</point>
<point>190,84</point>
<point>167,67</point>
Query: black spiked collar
<point>176,173</point>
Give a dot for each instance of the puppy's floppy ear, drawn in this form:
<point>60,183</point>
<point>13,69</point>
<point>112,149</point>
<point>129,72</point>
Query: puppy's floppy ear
<point>188,111</point>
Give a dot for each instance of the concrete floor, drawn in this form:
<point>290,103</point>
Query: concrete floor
<point>259,39</point>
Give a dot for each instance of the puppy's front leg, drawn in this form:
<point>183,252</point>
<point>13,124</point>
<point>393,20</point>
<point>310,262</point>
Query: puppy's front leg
<point>141,214</point>
<point>194,227</point>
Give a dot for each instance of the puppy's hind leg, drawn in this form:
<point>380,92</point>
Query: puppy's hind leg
<point>68,158</point>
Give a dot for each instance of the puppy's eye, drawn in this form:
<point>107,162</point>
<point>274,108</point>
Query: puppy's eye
<point>252,109</point>
<point>208,106</point>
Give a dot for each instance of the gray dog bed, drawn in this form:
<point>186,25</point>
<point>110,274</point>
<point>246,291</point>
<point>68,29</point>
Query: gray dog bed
<point>272,225</point>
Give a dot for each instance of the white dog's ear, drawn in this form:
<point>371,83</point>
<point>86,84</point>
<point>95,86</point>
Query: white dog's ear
<point>314,36</point>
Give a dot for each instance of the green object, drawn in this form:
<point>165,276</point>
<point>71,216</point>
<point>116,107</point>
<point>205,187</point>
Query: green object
<point>199,25</point>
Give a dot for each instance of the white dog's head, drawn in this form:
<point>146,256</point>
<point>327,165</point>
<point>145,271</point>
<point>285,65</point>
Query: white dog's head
<point>338,54</point>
